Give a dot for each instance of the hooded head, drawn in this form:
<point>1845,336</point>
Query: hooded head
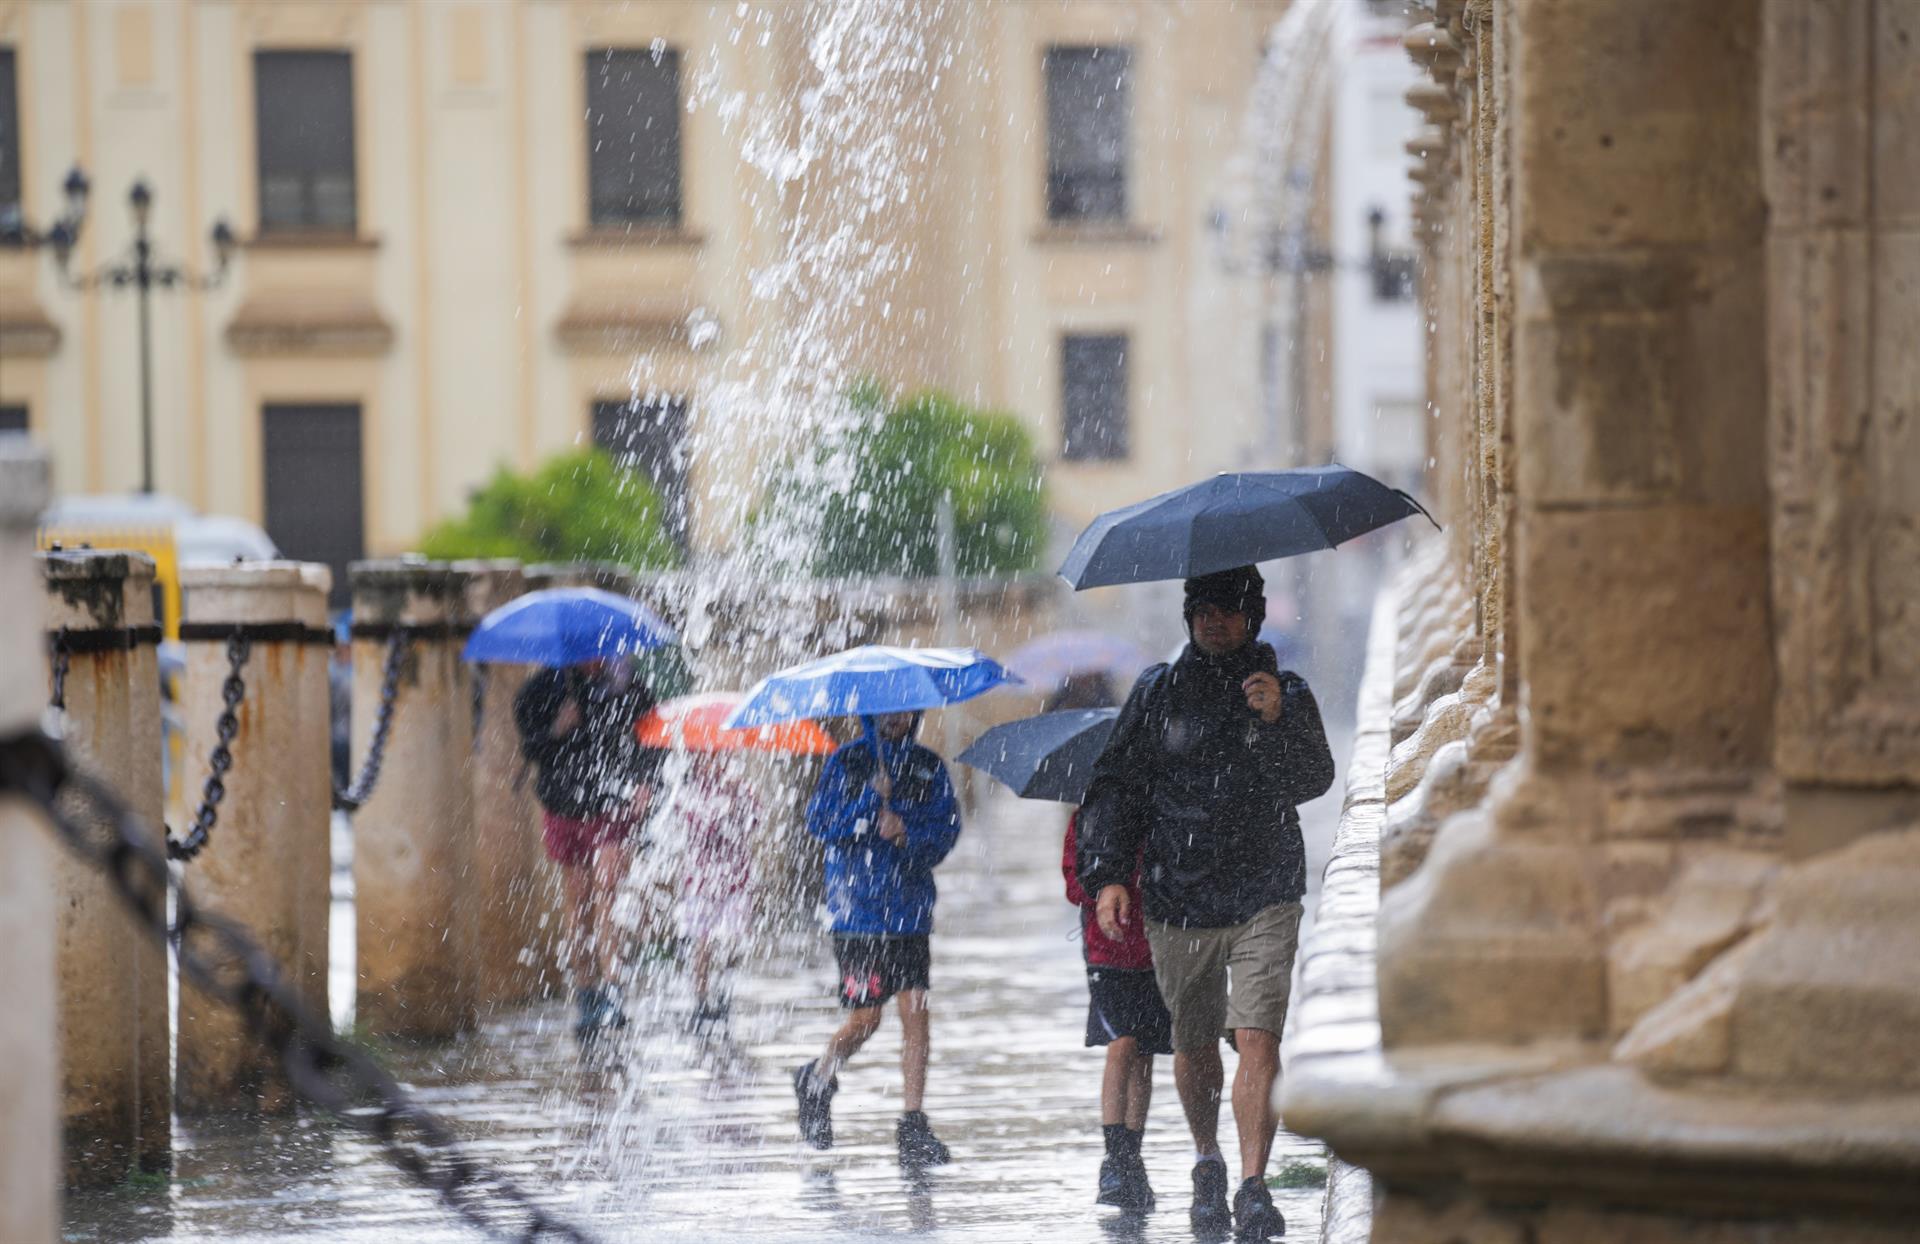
<point>1238,591</point>
<point>894,727</point>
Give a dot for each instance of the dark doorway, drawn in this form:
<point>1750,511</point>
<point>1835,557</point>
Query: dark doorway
<point>649,435</point>
<point>313,493</point>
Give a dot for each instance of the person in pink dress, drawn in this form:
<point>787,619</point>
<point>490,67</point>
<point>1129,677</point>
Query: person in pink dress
<point>719,813</point>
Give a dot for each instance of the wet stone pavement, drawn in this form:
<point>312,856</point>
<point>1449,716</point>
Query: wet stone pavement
<point>685,1138</point>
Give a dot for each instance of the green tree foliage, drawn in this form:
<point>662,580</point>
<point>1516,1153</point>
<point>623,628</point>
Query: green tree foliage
<point>577,507</point>
<point>909,453</point>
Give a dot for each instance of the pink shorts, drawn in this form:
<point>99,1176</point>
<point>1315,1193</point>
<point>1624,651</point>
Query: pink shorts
<point>570,841</point>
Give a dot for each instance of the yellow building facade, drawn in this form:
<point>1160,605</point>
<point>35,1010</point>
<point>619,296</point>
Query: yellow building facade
<point>454,246</point>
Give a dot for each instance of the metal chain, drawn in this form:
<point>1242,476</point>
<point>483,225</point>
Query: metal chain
<point>62,661</point>
<point>223,960</point>
<point>232,691</point>
<point>350,799</point>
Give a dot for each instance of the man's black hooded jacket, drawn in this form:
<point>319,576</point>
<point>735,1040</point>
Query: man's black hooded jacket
<point>1210,790</point>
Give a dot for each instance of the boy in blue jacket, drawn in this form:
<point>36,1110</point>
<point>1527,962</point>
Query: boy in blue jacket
<point>886,827</point>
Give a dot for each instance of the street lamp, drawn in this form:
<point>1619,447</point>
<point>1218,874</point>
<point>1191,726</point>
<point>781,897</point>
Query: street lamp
<point>138,269</point>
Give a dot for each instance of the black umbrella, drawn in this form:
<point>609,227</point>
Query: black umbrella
<point>1233,520</point>
<point>1046,757</point>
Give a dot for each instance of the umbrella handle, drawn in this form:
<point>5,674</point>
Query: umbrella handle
<point>1408,497</point>
<point>882,782</point>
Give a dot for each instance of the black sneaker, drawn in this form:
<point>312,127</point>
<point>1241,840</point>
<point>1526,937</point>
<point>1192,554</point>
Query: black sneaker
<point>816,1106</point>
<point>1123,1184</point>
<point>1254,1216</point>
<point>919,1147</point>
<point>1142,1190</point>
<point>1209,1217</point>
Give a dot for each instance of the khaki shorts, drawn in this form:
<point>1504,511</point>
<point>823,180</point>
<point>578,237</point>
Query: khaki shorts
<point>1217,980</point>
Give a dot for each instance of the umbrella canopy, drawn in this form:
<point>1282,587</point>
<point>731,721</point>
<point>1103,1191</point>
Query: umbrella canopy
<point>1052,659</point>
<point>870,680</point>
<point>565,626</point>
<point>697,723</point>
<point>1232,520</point>
<point>1046,757</point>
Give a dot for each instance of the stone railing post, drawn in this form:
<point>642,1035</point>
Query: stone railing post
<point>508,891</point>
<point>29,1064</point>
<point>154,1010</point>
<point>412,840</point>
<point>258,865</point>
<point>86,607</point>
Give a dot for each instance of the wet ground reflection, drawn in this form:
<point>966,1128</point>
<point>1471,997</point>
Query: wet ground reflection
<point>703,1145</point>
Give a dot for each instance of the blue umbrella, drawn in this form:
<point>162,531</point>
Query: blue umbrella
<point>867,681</point>
<point>565,626</point>
<point>1233,520</point>
<point>1046,757</point>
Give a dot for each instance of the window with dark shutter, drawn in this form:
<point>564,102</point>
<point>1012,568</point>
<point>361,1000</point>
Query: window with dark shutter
<point>633,137</point>
<point>13,420</point>
<point>649,435</point>
<point>9,139</point>
<point>1093,397</point>
<point>1089,96</point>
<point>303,106</point>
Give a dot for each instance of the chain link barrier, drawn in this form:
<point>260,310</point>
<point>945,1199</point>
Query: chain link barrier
<point>350,799</point>
<point>223,960</point>
<point>62,661</point>
<point>220,760</point>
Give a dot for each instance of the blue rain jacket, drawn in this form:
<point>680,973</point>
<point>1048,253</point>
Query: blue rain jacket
<point>874,886</point>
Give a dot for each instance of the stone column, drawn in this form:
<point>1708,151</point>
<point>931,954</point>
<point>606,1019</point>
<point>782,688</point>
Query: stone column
<point>154,1036</point>
<point>1640,558</point>
<point>85,597</point>
<point>508,893</point>
<point>314,660</point>
<point>412,839</point>
<point>29,1063</point>
<point>257,866</point>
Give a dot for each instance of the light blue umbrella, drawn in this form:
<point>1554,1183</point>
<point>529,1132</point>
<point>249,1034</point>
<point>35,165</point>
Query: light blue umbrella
<point>565,626</point>
<point>868,681</point>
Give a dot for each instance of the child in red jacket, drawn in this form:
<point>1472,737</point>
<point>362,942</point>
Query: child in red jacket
<point>1126,1014</point>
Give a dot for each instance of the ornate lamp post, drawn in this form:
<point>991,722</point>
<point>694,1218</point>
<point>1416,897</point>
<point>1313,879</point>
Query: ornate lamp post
<point>136,269</point>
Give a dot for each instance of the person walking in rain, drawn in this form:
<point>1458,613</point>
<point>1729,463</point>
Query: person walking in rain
<point>1126,1014</point>
<point>1206,763</point>
<point>885,809</point>
<point>594,783</point>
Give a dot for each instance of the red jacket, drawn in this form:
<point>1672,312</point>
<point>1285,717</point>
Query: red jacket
<point>1131,951</point>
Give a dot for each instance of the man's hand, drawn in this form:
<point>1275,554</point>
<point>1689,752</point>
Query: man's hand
<point>1263,696</point>
<point>892,828</point>
<point>1112,910</point>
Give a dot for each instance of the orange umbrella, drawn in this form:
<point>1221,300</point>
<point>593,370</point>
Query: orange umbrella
<point>693,723</point>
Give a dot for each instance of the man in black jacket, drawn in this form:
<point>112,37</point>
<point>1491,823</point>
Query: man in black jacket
<point>1206,763</point>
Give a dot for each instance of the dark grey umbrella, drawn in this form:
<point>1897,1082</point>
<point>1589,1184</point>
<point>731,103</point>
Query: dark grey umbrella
<point>1046,757</point>
<point>1233,520</point>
